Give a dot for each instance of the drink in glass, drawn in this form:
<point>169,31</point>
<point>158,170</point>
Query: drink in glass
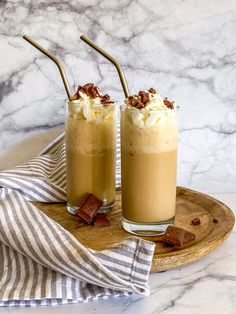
<point>149,137</point>
<point>90,147</point>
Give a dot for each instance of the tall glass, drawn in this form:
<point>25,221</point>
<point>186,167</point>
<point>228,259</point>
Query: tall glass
<point>90,153</point>
<point>148,170</point>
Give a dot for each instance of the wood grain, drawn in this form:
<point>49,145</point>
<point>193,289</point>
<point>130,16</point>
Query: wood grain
<point>190,204</point>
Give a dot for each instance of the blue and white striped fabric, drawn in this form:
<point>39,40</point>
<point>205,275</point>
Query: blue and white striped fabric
<point>41,262</point>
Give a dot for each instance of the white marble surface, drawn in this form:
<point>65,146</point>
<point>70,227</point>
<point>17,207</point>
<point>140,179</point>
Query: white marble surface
<point>184,48</point>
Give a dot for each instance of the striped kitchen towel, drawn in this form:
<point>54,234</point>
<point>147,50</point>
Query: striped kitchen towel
<point>43,264</point>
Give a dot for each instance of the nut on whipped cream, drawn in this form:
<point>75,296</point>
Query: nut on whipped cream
<point>147,108</point>
<point>89,104</point>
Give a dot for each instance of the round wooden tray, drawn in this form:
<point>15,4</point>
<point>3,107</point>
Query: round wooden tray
<point>190,204</point>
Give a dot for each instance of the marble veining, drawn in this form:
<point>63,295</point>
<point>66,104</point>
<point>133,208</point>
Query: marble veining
<point>184,48</point>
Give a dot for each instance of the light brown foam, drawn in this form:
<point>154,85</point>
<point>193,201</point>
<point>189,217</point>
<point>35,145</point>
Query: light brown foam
<point>161,137</point>
<point>89,137</point>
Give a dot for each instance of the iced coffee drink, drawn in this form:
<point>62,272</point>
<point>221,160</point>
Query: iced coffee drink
<point>148,162</point>
<point>90,147</point>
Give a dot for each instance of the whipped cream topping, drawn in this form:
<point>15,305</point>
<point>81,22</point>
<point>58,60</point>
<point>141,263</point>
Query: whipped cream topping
<point>147,108</point>
<point>89,104</point>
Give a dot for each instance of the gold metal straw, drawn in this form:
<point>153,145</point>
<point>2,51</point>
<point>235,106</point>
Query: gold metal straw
<point>110,58</point>
<point>49,55</point>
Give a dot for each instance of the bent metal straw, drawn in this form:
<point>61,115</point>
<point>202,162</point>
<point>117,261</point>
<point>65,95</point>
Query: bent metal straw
<point>112,60</point>
<point>49,55</point>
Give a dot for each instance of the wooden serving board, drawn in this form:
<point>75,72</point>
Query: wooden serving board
<point>190,204</point>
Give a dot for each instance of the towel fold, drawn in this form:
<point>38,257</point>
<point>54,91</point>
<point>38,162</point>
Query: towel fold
<point>41,262</point>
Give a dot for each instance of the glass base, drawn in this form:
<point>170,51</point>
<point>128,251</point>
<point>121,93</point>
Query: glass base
<point>106,208</point>
<point>148,229</point>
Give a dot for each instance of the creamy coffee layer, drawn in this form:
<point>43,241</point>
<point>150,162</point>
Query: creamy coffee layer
<point>148,186</point>
<point>90,174</point>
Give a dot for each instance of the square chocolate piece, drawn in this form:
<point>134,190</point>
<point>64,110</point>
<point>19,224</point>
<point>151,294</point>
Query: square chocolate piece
<point>177,236</point>
<point>101,220</point>
<point>89,208</point>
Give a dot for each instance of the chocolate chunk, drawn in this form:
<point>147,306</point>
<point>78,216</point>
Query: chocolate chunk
<point>168,103</point>
<point>88,86</point>
<point>152,90</point>
<point>89,208</point>
<point>106,99</point>
<point>177,236</point>
<point>92,91</point>
<point>144,97</point>
<point>101,220</point>
<point>196,221</point>
<point>215,221</point>
<point>134,101</point>
<point>141,99</point>
<point>140,105</point>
